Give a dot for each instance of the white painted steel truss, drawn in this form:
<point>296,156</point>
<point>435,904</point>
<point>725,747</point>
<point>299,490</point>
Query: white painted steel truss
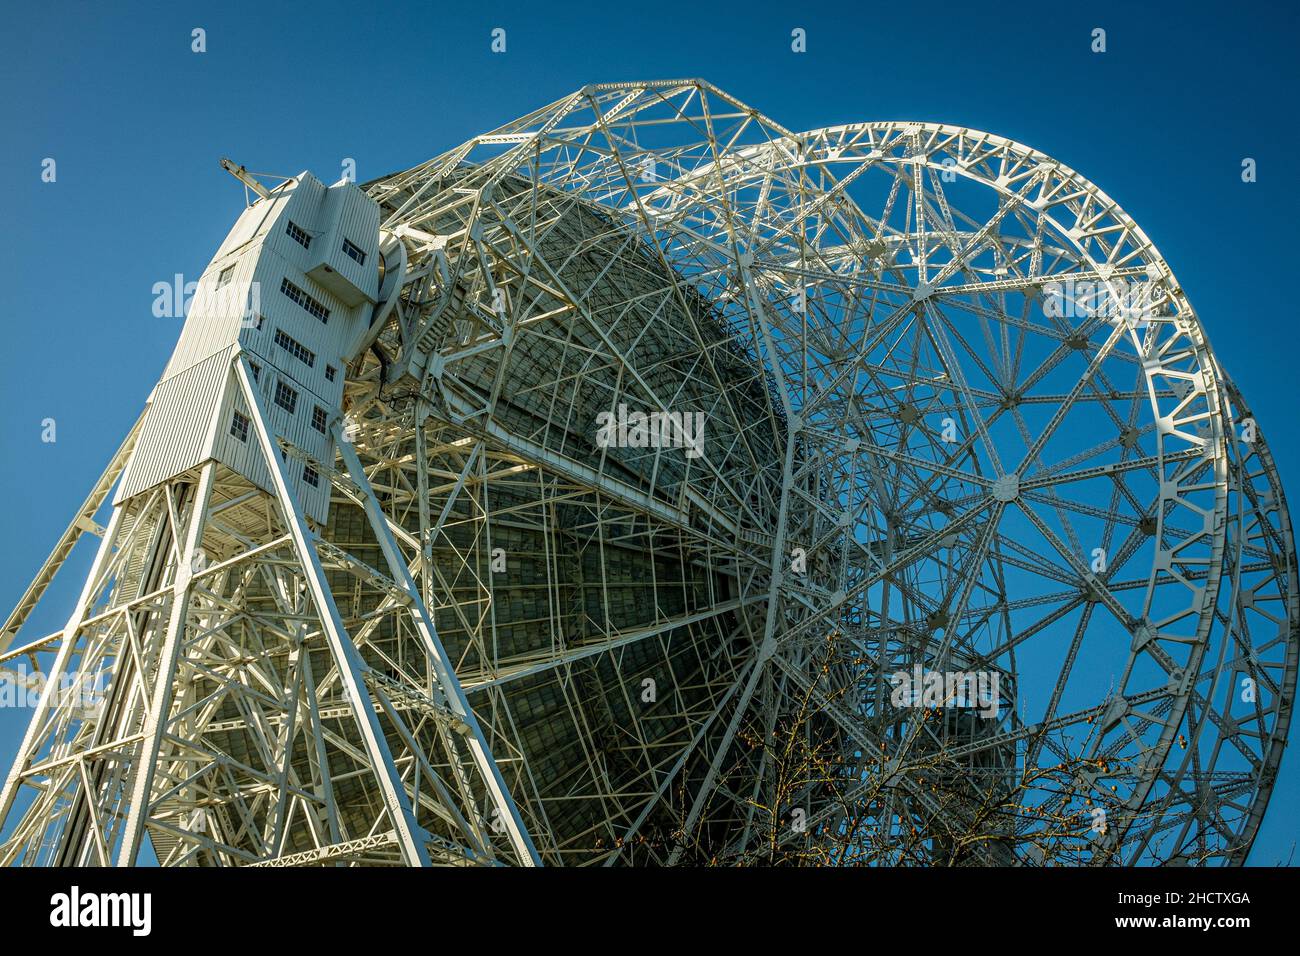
<point>514,644</point>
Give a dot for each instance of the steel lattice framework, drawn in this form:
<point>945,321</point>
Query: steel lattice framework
<point>924,448</point>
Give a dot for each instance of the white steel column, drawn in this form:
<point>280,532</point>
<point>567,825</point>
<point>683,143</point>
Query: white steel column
<point>351,666</point>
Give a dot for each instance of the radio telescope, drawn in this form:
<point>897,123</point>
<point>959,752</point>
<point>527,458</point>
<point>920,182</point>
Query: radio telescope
<point>644,483</point>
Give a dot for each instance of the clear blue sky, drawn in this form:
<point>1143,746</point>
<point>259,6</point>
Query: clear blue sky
<point>137,122</point>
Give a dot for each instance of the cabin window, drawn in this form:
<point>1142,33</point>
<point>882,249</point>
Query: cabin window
<point>295,348</point>
<point>239,426</point>
<point>298,234</point>
<point>304,300</point>
<point>353,251</point>
<point>286,397</point>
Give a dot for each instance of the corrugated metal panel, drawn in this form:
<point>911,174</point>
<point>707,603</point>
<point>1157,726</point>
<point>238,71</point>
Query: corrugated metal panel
<point>244,457</point>
<point>357,220</point>
<point>175,437</point>
<point>325,340</point>
<point>216,314</point>
<point>297,429</point>
<point>304,211</point>
<point>352,216</point>
<point>256,220</point>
